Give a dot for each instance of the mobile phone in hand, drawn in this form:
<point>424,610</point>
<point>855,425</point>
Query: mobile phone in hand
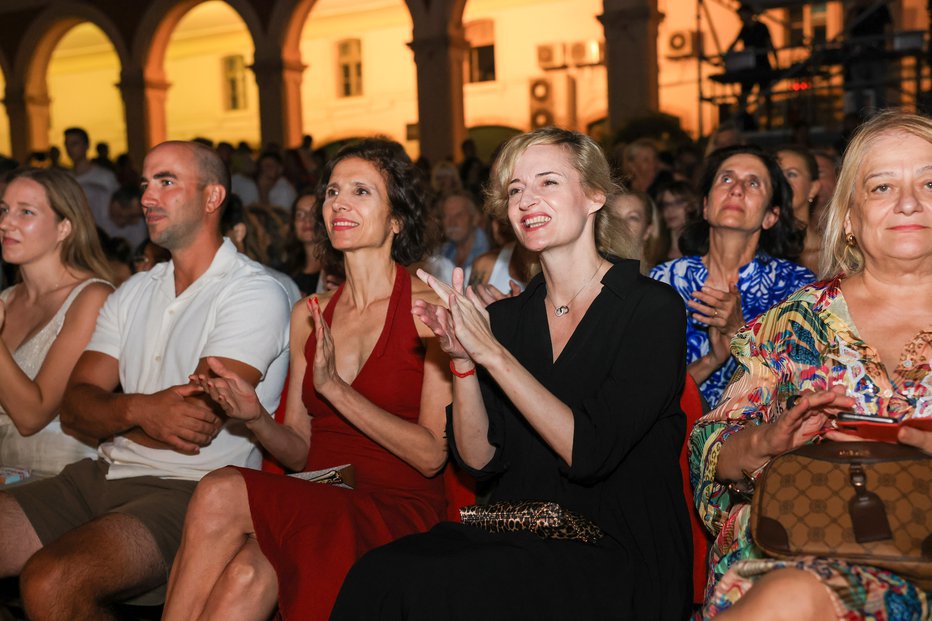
<point>882,428</point>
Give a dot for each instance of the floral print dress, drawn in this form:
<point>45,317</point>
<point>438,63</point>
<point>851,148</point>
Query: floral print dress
<point>763,282</point>
<point>808,342</point>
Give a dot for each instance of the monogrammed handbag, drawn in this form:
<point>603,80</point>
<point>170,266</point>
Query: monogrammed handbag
<point>868,503</point>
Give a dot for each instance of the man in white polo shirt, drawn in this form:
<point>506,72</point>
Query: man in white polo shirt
<point>106,530</point>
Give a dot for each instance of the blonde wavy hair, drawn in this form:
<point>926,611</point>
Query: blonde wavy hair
<point>611,234</point>
<point>839,257</point>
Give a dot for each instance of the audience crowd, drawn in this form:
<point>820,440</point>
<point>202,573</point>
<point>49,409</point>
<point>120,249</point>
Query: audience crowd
<point>534,320</point>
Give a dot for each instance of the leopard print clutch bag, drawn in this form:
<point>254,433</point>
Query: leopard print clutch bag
<point>547,520</point>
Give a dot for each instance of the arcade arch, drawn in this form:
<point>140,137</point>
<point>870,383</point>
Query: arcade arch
<point>82,76</point>
<point>207,62</point>
<point>27,90</point>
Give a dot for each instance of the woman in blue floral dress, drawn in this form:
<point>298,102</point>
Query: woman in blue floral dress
<point>735,265</point>
<point>859,341</point>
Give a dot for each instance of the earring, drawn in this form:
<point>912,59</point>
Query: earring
<point>812,200</point>
<point>851,240</point>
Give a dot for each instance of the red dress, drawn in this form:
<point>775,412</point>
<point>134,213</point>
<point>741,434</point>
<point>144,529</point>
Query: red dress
<point>312,533</point>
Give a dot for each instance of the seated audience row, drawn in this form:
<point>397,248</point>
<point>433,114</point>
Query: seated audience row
<point>567,367</point>
<point>161,433</point>
<point>857,341</point>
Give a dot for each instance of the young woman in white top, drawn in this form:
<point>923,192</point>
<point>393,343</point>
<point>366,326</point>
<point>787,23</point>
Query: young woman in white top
<point>46,319</point>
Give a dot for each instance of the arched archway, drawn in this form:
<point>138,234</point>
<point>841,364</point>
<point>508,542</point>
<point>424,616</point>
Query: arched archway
<point>146,82</point>
<point>207,62</point>
<point>82,77</point>
<point>360,73</point>
<point>27,91</point>
<point>435,36</point>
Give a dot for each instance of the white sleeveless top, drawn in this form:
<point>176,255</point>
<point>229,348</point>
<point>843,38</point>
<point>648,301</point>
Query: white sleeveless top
<point>49,450</point>
<point>500,276</point>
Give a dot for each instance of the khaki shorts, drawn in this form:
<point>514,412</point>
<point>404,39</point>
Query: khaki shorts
<point>81,492</point>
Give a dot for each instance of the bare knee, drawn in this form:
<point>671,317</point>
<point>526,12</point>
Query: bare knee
<point>219,504</point>
<point>45,583</point>
<point>246,574</point>
<point>785,595</point>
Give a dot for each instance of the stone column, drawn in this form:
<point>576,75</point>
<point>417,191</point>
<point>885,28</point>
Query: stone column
<point>29,121</point>
<point>631,59</point>
<point>441,119</point>
<point>15,102</point>
<point>144,112</point>
<point>279,84</point>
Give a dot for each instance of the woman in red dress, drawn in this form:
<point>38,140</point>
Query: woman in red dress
<point>375,386</point>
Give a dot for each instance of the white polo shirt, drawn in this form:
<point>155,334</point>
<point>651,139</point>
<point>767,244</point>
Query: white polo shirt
<point>234,310</point>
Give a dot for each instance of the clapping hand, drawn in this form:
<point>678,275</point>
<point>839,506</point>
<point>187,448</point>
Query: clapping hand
<point>325,365</point>
<point>234,395</point>
<point>462,325</point>
<point>718,309</point>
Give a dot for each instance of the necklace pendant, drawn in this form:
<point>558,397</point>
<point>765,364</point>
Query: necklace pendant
<point>561,310</point>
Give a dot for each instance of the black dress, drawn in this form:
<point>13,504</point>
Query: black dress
<point>621,372</point>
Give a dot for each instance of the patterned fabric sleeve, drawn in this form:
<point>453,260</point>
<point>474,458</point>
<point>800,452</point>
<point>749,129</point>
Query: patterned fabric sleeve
<point>747,401</point>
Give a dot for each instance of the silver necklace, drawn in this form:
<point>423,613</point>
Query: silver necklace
<point>559,311</point>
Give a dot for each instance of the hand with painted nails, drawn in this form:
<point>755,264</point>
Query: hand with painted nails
<point>325,366</point>
<point>463,325</point>
<point>232,393</point>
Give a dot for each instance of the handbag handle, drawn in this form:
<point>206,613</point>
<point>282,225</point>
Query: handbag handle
<point>868,513</point>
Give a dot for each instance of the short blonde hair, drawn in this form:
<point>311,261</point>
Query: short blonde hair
<point>839,257</point>
<point>611,234</point>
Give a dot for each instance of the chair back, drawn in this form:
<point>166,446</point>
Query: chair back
<point>692,405</point>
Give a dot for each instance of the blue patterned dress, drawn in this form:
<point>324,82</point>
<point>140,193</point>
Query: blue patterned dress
<point>763,282</point>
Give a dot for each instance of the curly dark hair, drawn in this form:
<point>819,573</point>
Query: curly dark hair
<point>420,228</point>
<point>784,240</point>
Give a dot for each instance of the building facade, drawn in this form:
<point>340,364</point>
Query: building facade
<point>424,72</point>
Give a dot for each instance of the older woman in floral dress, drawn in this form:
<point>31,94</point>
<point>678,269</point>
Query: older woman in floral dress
<point>861,341</point>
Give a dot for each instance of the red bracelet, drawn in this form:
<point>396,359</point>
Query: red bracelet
<point>453,370</point>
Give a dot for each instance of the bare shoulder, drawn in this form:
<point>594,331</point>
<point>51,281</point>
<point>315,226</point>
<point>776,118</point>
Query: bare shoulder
<point>92,297</point>
<point>482,267</point>
<point>485,260</point>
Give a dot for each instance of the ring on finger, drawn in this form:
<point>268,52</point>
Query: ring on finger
<point>715,312</point>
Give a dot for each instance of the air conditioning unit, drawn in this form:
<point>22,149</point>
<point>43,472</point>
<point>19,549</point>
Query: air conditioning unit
<point>585,53</point>
<point>683,44</point>
<point>551,56</point>
<point>553,101</point>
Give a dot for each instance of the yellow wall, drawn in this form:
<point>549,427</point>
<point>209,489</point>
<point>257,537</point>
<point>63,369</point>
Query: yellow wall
<point>4,125</point>
<point>520,26</point>
<point>84,68</point>
<point>82,77</point>
<point>389,99</point>
<point>194,105</point>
